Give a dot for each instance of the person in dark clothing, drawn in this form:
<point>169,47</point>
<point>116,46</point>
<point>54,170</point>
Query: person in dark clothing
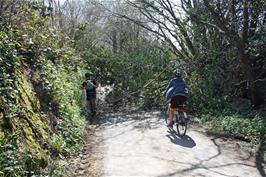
<point>90,85</point>
<point>177,92</point>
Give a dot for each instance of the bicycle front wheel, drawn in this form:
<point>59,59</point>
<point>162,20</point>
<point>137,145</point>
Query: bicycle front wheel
<point>181,126</point>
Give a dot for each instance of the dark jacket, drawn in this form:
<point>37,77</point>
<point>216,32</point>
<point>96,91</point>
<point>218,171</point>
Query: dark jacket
<point>177,86</point>
<point>90,89</point>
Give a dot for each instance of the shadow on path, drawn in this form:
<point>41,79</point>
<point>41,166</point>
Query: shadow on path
<point>201,163</point>
<point>185,141</point>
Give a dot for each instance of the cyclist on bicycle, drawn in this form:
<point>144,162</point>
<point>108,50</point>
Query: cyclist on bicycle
<point>90,85</point>
<point>177,92</point>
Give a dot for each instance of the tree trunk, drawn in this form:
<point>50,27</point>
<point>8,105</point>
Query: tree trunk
<point>240,42</point>
<point>254,92</point>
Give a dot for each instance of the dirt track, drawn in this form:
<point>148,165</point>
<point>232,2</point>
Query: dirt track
<point>141,145</point>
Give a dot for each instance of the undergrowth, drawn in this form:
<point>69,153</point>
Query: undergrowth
<point>238,121</point>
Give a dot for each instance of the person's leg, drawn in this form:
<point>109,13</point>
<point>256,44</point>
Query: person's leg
<point>172,111</point>
<point>93,106</point>
<point>88,105</point>
<point>169,113</point>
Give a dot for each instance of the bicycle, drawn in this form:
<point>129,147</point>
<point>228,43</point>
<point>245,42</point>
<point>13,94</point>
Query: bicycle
<point>181,120</point>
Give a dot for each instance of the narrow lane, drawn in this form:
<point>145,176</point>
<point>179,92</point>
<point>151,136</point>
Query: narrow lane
<point>141,145</point>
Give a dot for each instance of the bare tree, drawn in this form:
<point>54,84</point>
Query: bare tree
<point>164,19</point>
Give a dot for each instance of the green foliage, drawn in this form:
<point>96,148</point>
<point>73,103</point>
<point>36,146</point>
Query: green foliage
<point>237,120</point>
<point>66,96</point>
<point>58,144</point>
<point>16,160</point>
<point>136,76</point>
<point>10,158</point>
<point>237,125</point>
<point>40,75</point>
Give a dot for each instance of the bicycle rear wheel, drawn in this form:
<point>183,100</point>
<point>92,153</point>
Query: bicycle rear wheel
<point>181,125</point>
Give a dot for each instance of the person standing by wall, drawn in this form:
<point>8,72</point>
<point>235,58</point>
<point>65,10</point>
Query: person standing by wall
<point>90,84</point>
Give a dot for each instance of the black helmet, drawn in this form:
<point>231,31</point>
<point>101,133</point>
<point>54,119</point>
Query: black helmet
<point>177,73</point>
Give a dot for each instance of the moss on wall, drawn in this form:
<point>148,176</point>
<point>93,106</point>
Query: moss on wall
<point>29,123</point>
